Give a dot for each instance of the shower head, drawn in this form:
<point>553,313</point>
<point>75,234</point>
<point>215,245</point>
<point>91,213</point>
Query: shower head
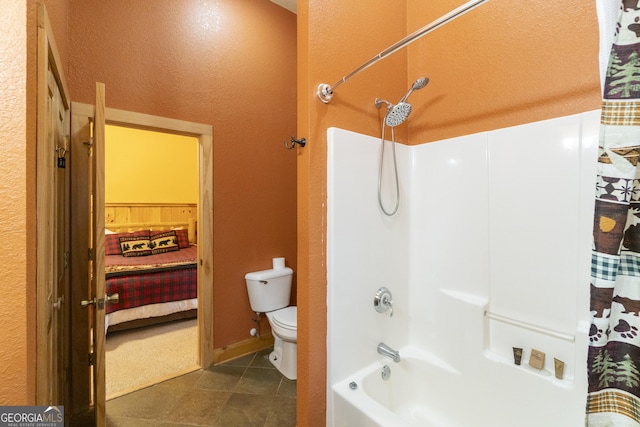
<point>418,84</point>
<point>397,114</point>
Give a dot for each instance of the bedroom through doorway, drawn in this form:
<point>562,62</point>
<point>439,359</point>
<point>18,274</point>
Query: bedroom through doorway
<point>151,214</point>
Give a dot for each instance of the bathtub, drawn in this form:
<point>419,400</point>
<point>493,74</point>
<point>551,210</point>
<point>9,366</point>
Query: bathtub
<point>425,391</point>
<point>472,274</point>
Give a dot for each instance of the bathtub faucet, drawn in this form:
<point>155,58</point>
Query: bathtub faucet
<point>385,350</point>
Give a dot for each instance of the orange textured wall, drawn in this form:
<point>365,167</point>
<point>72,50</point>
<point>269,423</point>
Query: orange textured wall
<point>334,37</point>
<point>18,48</point>
<point>500,65</point>
<point>58,11</point>
<point>229,63</point>
<point>16,341</point>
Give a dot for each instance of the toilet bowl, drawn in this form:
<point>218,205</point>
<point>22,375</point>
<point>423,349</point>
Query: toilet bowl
<point>284,327</point>
<point>269,292</point>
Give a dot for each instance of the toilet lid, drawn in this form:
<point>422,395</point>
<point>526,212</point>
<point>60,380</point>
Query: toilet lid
<point>286,317</point>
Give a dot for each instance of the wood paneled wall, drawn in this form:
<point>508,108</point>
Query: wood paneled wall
<point>149,213</point>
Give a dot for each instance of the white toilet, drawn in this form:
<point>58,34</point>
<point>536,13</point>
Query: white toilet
<point>270,293</point>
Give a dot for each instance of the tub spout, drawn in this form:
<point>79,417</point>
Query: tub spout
<point>385,350</point>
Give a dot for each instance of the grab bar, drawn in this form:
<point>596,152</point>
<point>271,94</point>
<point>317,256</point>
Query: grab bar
<point>531,327</point>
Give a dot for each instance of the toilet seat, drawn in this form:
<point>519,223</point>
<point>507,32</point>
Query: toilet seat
<point>286,317</point>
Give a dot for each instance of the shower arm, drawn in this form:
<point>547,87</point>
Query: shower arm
<point>325,92</point>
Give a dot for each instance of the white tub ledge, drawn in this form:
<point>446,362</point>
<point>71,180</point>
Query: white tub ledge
<point>467,298</point>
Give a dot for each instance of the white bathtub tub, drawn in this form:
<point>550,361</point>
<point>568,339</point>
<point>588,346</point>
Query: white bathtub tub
<point>424,391</point>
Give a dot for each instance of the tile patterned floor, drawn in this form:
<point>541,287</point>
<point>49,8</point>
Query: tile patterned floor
<point>245,392</point>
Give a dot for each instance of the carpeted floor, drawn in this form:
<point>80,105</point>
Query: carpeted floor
<point>145,356</point>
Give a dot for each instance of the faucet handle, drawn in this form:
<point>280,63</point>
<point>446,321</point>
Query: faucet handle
<point>383,301</point>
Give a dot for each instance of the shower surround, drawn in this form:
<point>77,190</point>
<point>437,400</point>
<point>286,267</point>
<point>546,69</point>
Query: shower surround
<point>489,250</point>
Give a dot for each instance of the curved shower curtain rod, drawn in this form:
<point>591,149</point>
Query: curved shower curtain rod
<point>325,92</point>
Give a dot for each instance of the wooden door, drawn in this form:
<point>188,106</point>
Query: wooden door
<point>81,401</point>
<point>60,272</point>
<point>87,257</point>
<point>52,179</point>
<point>100,299</point>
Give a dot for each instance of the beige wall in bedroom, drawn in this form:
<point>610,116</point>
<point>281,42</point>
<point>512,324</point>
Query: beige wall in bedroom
<point>142,166</point>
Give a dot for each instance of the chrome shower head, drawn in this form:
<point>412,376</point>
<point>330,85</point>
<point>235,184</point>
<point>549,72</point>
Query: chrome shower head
<point>397,114</point>
<point>418,84</point>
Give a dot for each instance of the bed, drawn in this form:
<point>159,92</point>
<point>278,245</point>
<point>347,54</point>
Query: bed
<point>153,269</point>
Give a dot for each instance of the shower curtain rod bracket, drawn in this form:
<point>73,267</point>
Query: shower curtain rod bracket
<point>324,92</point>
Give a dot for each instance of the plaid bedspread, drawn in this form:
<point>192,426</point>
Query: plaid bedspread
<point>170,276</point>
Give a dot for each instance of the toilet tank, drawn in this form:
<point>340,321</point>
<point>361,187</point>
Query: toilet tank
<point>269,289</point>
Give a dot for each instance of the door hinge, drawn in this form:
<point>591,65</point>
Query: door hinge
<point>67,257</point>
<point>91,252</point>
<point>88,144</point>
<point>91,359</point>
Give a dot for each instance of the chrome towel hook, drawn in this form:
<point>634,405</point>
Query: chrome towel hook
<point>294,141</point>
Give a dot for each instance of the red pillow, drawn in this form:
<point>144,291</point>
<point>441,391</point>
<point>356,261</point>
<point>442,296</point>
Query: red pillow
<point>112,244</point>
<point>183,238</point>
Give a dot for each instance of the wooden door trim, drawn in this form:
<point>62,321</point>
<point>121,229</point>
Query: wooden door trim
<point>48,51</point>
<point>204,134</point>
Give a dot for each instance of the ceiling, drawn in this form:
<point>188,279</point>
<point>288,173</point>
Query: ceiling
<point>287,4</point>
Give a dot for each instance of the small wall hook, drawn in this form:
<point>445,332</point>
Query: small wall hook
<point>294,141</point>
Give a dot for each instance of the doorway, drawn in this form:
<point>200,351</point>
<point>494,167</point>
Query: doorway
<point>80,121</point>
<point>151,183</point>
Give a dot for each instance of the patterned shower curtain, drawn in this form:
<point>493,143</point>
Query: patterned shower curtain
<point>614,352</point>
